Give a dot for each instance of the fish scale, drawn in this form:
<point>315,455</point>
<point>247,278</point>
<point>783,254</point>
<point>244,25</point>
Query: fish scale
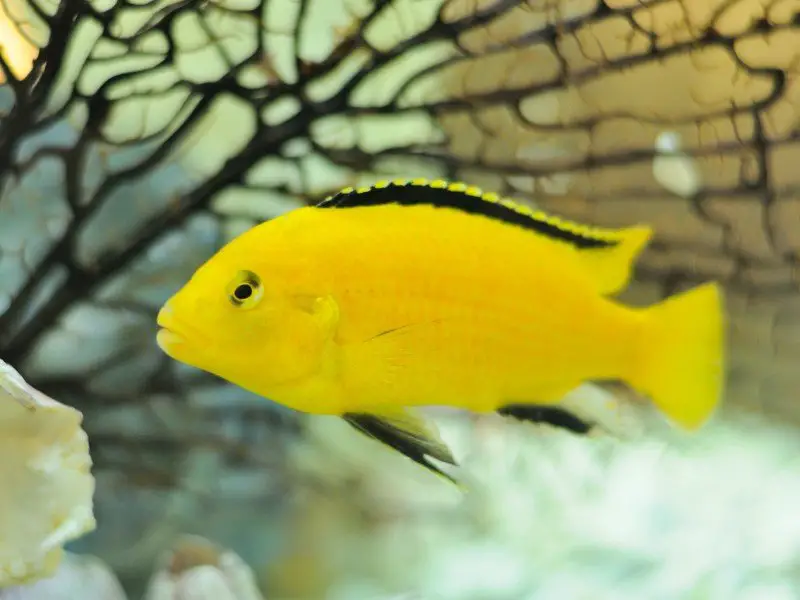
<point>479,328</point>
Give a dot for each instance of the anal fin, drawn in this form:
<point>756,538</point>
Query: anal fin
<point>551,415</point>
<point>407,434</point>
<point>587,409</point>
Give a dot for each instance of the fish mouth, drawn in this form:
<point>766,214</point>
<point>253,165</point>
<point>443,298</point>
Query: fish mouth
<point>168,336</point>
<point>180,341</point>
<point>167,339</point>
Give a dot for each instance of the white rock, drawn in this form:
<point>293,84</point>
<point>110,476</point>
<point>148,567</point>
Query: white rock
<point>674,170</point>
<point>84,577</point>
<point>196,569</point>
<point>46,498</point>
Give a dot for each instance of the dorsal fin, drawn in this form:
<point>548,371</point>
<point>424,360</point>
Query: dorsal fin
<point>473,200</point>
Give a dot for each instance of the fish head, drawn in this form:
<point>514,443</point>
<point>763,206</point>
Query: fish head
<point>242,317</point>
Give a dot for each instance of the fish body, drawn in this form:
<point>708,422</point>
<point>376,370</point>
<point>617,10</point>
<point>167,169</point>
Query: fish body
<point>431,293</point>
<point>432,310</point>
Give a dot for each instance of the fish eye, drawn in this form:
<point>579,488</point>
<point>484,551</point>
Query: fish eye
<point>245,290</point>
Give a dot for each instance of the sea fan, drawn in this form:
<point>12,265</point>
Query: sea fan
<point>138,135</point>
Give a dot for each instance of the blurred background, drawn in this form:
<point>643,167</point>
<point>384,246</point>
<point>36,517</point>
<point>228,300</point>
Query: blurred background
<point>138,136</point>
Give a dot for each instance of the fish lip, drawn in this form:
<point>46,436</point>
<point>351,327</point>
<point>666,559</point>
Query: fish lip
<point>164,317</point>
<point>167,338</point>
<point>169,333</point>
<point>172,332</point>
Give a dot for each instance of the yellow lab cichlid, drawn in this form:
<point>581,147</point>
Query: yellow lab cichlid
<point>412,293</point>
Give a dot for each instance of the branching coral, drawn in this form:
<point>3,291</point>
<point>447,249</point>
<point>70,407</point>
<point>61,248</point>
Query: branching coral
<point>141,124</point>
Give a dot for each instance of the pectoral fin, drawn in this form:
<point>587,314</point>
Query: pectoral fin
<point>406,433</point>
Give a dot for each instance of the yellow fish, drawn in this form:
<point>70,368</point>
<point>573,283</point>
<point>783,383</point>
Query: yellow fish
<point>412,293</point>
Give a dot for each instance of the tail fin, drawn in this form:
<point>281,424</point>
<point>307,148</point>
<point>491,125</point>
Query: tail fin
<point>683,355</point>
<point>611,267</point>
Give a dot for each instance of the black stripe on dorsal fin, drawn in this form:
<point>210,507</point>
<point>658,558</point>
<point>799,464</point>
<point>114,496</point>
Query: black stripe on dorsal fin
<point>473,200</point>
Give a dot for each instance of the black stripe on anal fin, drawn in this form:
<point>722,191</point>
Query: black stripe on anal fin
<point>472,200</point>
<point>552,415</point>
<point>404,442</point>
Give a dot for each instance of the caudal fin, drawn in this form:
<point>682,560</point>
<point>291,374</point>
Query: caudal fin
<point>611,267</point>
<point>683,355</point>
